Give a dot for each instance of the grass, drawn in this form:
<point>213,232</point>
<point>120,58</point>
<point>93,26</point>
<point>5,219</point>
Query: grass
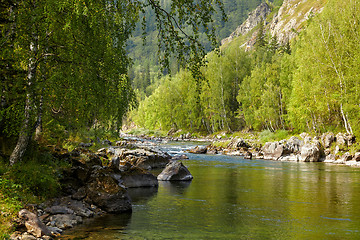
<point>268,136</point>
<point>33,180</point>
<point>147,132</point>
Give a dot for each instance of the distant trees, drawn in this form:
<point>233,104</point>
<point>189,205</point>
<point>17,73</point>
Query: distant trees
<point>314,86</point>
<point>66,62</point>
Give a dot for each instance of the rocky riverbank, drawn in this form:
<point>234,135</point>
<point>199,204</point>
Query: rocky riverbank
<point>96,184</point>
<point>329,148</point>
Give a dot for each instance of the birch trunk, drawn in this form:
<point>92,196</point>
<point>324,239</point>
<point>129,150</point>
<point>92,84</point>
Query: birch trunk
<point>27,127</point>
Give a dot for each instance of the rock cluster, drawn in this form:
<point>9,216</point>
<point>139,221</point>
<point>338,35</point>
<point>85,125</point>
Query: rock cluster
<point>95,185</point>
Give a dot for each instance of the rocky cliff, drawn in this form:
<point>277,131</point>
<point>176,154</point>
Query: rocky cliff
<point>255,17</point>
<point>291,18</point>
<point>286,23</point>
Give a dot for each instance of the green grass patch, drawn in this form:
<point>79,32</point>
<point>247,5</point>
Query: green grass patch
<point>268,136</point>
<point>147,132</point>
<point>33,180</point>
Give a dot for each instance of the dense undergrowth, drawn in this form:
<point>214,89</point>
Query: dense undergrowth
<point>31,181</point>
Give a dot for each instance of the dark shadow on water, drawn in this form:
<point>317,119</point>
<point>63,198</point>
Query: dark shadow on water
<point>142,194</point>
<point>175,187</point>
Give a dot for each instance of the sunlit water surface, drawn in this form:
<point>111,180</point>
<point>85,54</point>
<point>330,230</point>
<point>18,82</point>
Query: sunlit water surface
<point>233,198</point>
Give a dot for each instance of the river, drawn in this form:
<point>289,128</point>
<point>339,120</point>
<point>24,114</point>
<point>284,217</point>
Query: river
<point>233,198</point>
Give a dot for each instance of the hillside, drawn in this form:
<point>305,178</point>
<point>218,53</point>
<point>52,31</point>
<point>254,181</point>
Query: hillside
<point>146,68</point>
<point>309,86</point>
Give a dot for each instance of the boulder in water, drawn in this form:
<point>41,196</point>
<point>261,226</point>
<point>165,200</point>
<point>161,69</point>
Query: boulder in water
<point>175,171</point>
<point>198,150</point>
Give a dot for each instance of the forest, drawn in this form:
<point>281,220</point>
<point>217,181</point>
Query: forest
<point>78,71</point>
<point>310,84</point>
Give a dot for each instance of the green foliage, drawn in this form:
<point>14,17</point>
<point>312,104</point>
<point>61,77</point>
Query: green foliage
<point>268,136</point>
<point>325,91</point>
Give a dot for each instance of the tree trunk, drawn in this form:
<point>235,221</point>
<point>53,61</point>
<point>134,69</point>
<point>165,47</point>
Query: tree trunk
<point>27,127</point>
<point>24,137</point>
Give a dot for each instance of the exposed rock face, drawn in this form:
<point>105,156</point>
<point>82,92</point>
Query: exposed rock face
<point>255,17</point>
<point>175,171</point>
<point>283,150</point>
<point>33,224</point>
<point>290,17</point>
<point>311,152</point>
<point>105,191</point>
<point>273,150</point>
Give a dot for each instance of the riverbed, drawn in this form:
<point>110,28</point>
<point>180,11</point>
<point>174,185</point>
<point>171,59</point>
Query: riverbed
<point>234,198</point>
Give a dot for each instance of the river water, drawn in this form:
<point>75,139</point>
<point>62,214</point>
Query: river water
<point>233,198</point>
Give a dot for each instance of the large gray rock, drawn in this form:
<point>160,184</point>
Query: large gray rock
<point>311,152</point>
<point>175,171</point>
<point>293,145</point>
<point>137,177</point>
<point>105,191</point>
<point>273,150</point>
<point>33,224</point>
<point>144,158</point>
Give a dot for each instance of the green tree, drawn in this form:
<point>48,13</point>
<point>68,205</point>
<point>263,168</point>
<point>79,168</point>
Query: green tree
<point>74,55</point>
<point>325,86</point>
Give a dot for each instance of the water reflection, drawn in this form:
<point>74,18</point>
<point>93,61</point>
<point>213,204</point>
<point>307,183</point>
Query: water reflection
<point>233,198</point>
<point>175,187</point>
<point>106,228</point>
<point>142,194</point>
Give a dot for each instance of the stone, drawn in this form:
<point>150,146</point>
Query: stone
<point>310,152</point>
<point>293,145</point>
<point>137,177</point>
<point>341,139</point>
<point>327,139</point>
<point>347,157</point>
<point>175,171</point>
<point>65,221</point>
<point>248,155</point>
<point>273,150</point>
<point>33,225</point>
<point>144,158</point>
<point>198,150</point>
<point>357,157</point>
<point>106,192</point>
<point>59,210</point>
<point>80,194</point>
